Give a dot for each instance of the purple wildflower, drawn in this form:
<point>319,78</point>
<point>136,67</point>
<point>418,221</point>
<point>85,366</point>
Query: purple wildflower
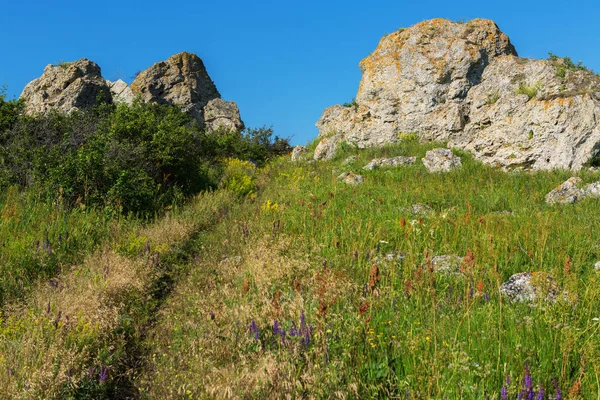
<point>91,372</point>
<point>558,393</point>
<point>504,393</point>
<point>212,315</point>
<point>486,297</point>
<point>306,339</point>
<point>293,330</point>
<point>254,330</point>
<point>302,323</point>
<point>275,328</point>
<point>103,373</point>
<point>540,394</point>
<point>283,337</point>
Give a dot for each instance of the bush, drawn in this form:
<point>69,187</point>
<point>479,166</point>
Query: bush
<point>134,159</point>
<point>239,177</point>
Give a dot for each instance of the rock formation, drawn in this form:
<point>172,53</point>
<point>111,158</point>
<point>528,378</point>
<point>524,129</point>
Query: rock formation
<point>66,87</point>
<point>182,80</point>
<point>464,83</point>
<point>441,160</point>
<point>120,91</point>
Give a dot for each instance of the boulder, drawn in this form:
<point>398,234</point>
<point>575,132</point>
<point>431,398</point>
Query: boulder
<point>529,287</point>
<point>326,148</point>
<point>120,91</point>
<point>298,153</point>
<point>351,178</point>
<point>447,264</point>
<point>441,160</point>
<point>421,209</point>
<point>389,162</point>
<point>66,87</point>
<point>567,192</point>
<point>571,191</point>
<point>464,83</point>
<point>182,80</point>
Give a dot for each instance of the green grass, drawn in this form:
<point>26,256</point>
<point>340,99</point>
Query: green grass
<point>38,239</point>
<point>306,246</point>
<point>416,332</point>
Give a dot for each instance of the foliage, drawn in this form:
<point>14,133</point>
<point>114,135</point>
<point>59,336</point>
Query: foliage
<point>9,111</point>
<point>528,90</point>
<point>492,97</point>
<point>133,159</point>
<point>239,176</point>
<point>564,64</point>
<point>352,103</point>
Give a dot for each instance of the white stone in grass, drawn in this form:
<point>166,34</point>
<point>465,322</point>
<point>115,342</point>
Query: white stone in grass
<point>447,264</point>
<point>597,267</point>
<point>389,162</point>
<point>298,153</point>
<point>441,160</point>
<point>351,178</point>
<point>566,193</point>
<point>530,286</point>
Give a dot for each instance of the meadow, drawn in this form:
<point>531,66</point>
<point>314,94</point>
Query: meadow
<point>288,283</point>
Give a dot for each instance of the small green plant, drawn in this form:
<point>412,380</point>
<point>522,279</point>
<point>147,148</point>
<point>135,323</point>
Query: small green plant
<point>407,136</point>
<point>492,98</point>
<point>530,135</point>
<point>528,90</point>
<point>564,64</point>
<point>353,103</point>
<point>63,64</point>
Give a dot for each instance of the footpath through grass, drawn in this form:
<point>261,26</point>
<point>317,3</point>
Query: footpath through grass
<point>300,293</point>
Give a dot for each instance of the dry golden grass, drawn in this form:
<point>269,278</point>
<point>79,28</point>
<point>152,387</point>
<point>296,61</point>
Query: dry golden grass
<point>58,329</point>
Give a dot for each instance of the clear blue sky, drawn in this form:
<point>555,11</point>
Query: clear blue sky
<point>283,62</point>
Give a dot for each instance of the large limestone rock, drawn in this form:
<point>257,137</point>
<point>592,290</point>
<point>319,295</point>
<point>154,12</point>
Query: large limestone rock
<point>182,80</point>
<point>120,91</point>
<point>465,84</point>
<point>66,87</point>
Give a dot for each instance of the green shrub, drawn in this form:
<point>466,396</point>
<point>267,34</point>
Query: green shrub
<point>132,159</point>
<point>564,64</point>
<point>239,177</point>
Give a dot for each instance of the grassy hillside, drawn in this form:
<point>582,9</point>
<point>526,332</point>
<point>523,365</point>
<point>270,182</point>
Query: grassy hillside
<point>306,287</point>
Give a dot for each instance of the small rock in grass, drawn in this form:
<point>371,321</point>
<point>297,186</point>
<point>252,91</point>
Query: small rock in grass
<point>441,160</point>
<point>566,193</point>
<point>351,178</point>
<point>421,209</point>
<point>389,162</point>
<point>326,148</point>
<point>447,264</point>
<point>298,153</point>
<point>349,160</point>
<point>597,267</point>
<point>530,286</point>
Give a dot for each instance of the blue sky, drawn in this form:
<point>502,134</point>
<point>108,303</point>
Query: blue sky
<point>283,62</point>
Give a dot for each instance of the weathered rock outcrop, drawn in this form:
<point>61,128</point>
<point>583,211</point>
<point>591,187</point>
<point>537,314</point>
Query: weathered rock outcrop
<point>182,80</point>
<point>120,91</point>
<point>66,87</point>
<point>465,84</point>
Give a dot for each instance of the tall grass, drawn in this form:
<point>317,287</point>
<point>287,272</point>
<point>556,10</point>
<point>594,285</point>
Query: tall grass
<point>313,248</point>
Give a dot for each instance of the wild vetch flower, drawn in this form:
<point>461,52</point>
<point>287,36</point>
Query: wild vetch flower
<point>540,394</point>
<point>103,373</point>
<point>254,330</point>
<point>486,297</point>
<point>212,315</point>
<point>275,328</point>
<point>504,393</point>
<point>293,330</point>
<point>91,372</point>
<point>283,337</point>
<point>306,339</point>
<point>302,323</point>
<point>557,392</point>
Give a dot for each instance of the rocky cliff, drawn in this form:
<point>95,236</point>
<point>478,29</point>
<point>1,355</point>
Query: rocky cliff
<point>464,83</point>
<point>65,87</point>
<point>181,80</point>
